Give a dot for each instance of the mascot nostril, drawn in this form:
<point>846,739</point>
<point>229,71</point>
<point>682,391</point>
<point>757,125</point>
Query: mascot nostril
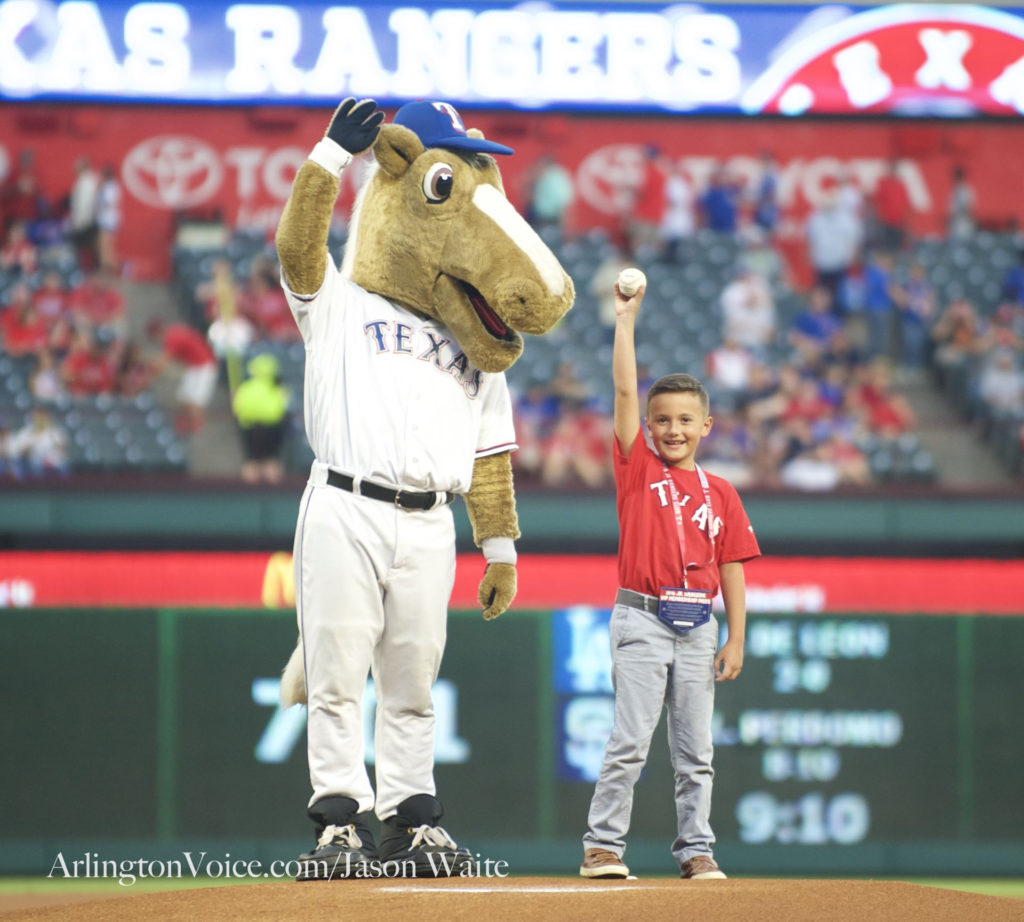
<point>406,407</point>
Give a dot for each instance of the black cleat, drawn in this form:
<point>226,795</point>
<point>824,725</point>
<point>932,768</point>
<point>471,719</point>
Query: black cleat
<point>344,845</point>
<point>420,847</point>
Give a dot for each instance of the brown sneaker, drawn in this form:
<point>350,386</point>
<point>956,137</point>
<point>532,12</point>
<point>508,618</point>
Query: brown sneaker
<point>599,862</point>
<point>701,867</point>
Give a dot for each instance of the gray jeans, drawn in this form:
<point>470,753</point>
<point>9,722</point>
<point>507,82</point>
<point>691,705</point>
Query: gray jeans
<point>653,666</point>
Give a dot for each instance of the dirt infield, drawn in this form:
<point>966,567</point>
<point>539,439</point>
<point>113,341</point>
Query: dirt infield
<point>540,898</point>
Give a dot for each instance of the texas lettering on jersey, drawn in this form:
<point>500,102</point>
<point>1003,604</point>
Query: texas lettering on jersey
<point>401,339</point>
<point>700,514</point>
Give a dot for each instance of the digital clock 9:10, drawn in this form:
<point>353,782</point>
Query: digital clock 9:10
<point>811,819</point>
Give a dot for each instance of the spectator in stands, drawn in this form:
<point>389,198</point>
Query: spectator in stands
<point>264,305</point>
<point>46,383</point>
<point>51,298</point>
<point>19,255</point>
<point>551,193</point>
<point>849,461</point>
<point>915,301</point>
<point>20,198</point>
<point>834,238</point>
<point>24,331</point>
<point>260,405</point>
<point>958,335</point>
<point>727,450</point>
<point>602,288</point>
<point>230,334</point>
<point>83,210</point>
<point>679,219</point>
<point>720,202</point>
<point>108,218</point>
<point>1013,281</point>
<point>88,369</point>
<point>1001,382</point>
<point>766,195</point>
<point>38,449</point>
<point>221,293</point>
<point>813,328</point>
<point>648,207</point>
<point>892,209</point>
<point>760,255</point>
<point>850,198</point>
<point>888,413</point>
<point>97,302</point>
<point>536,412</point>
<point>771,392</point>
<point>578,447</point>
<point>187,348</point>
<point>748,310</point>
<point>566,386</point>
<point>729,367</point>
<point>879,305</point>
<point>807,403</point>
<point>133,372</point>
<point>960,219</point>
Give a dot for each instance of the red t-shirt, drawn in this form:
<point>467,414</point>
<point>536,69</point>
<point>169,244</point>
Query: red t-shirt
<point>99,305</point>
<point>188,346</point>
<point>892,203</point>
<point>88,373</point>
<point>649,555</point>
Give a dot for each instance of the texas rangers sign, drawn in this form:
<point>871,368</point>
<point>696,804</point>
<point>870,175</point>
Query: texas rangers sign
<point>904,59</point>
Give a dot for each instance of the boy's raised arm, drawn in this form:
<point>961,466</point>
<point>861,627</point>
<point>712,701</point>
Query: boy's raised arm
<point>626,418</point>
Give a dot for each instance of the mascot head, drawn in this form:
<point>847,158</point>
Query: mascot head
<point>433,230</point>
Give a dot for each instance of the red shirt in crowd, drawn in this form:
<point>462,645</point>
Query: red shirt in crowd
<point>187,346</point>
<point>97,303</point>
<point>649,553</point>
<point>88,371</point>
<point>50,303</point>
<point>892,204</point>
<point>24,331</point>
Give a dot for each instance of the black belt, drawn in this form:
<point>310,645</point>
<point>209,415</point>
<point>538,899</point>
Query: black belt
<point>403,498</point>
<point>648,603</point>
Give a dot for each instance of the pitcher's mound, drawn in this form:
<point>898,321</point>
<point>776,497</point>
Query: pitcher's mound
<point>546,898</point>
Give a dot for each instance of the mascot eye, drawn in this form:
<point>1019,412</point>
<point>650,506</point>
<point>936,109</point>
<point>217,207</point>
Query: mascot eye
<point>437,183</point>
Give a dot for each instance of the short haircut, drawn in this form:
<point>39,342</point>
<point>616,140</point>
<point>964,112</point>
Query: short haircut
<point>680,384</point>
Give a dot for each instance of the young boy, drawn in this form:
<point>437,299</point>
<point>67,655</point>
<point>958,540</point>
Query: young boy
<point>664,637</point>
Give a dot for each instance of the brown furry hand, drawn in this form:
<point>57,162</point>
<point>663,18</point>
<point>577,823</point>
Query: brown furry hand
<point>497,589</point>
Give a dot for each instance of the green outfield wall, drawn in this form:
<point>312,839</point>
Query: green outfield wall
<point>856,744</point>
<point>228,514</point>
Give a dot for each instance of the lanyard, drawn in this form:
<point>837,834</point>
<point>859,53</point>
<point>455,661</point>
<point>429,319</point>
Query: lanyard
<point>678,510</point>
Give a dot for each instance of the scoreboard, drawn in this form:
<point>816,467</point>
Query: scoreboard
<point>861,732</point>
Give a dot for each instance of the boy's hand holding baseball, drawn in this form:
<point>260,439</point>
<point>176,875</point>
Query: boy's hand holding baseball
<point>629,291</point>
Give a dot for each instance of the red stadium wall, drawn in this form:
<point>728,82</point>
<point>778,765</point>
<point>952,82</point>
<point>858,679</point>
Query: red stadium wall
<point>239,162</point>
<point>780,584</point>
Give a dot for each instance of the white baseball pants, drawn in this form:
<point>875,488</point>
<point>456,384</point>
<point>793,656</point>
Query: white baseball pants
<point>372,584</point>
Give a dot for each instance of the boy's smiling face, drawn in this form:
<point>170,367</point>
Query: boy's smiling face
<point>677,422</point>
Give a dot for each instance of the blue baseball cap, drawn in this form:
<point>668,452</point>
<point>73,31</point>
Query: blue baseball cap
<point>438,124</point>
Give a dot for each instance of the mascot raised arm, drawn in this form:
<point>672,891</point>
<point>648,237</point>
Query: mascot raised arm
<point>406,407</point>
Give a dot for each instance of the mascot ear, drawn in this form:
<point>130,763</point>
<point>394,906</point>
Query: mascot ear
<point>396,148</point>
<point>474,133</point>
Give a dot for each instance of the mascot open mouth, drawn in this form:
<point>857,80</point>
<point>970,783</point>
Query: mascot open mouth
<point>491,321</point>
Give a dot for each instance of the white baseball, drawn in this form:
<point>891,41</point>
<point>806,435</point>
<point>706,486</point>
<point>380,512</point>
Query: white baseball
<point>630,280</point>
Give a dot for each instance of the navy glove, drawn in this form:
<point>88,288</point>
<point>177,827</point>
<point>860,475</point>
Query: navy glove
<point>355,125</point>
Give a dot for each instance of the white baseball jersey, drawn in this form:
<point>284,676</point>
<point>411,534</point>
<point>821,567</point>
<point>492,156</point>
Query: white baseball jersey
<point>389,395</point>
